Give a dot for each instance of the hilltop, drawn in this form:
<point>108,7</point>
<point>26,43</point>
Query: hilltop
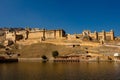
<point>35,42</point>
<point>36,50</point>
<point>39,49</point>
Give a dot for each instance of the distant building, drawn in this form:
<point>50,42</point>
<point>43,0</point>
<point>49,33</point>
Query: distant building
<point>94,36</point>
<point>35,34</point>
<point>43,34</point>
<point>47,34</point>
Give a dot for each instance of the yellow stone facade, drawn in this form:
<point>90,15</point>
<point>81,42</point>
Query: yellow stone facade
<point>43,35</point>
<point>94,36</point>
<point>102,35</point>
<point>30,34</point>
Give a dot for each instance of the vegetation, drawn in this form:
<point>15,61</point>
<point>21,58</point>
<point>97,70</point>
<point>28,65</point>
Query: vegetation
<point>43,57</point>
<point>55,54</point>
<point>47,49</point>
<point>39,49</point>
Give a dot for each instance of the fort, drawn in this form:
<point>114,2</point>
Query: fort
<point>35,42</point>
<point>35,34</point>
<point>94,36</point>
<point>40,35</point>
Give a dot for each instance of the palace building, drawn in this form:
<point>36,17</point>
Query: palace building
<point>94,36</point>
<point>40,34</point>
<point>43,34</point>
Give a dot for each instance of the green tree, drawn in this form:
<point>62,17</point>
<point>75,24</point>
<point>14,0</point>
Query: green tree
<point>43,57</point>
<point>55,54</point>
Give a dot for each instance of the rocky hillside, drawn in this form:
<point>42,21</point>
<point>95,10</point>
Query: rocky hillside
<point>39,49</point>
<point>36,50</point>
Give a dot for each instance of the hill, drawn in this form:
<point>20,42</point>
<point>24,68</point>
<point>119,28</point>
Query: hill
<point>39,49</point>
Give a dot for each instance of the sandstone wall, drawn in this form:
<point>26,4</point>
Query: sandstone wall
<point>35,35</point>
<point>10,36</point>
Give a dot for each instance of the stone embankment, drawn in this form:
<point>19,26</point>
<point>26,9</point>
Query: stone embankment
<point>29,59</point>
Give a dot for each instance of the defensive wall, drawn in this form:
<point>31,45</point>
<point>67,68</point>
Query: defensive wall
<point>34,35</point>
<point>46,34</point>
<point>94,36</point>
<point>40,35</point>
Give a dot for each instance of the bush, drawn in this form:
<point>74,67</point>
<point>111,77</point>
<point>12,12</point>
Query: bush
<point>43,57</point>
<point>55,54</point>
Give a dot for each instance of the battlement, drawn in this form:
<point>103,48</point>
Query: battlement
<point>43,35</point>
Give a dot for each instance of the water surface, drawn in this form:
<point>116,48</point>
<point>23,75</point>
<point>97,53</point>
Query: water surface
<point>60,71</point>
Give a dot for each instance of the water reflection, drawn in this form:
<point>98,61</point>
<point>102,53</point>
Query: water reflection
<point>60,71</point>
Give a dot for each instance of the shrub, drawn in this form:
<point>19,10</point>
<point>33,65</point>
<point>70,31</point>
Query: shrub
<point>43,57</point>
<point>55,54</point>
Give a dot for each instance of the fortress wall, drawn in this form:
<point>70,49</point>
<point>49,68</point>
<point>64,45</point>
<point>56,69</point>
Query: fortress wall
<point>35,35</point>
<point>79,35</point>
<point>10,36</point>
<point>92,35</point>
<point>110,35</point>
<point>89,44</point>
<point>58,34</point>
<point>101,35</point>
<point>50,34</point>
<point>71,37</point>
<point>20,32</point>
<point>106,35</point>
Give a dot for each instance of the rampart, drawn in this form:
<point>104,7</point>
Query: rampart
<point>43,35</point>
<point>35,34</point>
<point>94,36</point>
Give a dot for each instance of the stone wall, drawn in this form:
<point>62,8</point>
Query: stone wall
<point>47,34</point>
<point>35,35</point>
<point>95,35</point>
<point>58,34</point>
<point>10,36</point>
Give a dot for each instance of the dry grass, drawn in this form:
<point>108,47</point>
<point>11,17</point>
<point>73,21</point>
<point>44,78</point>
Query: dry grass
<point>39,49</point>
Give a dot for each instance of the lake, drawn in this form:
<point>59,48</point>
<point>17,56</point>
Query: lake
<point>60,71</point>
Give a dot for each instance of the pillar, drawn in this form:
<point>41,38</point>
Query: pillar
<point>96,35</point>
<point>104,35</point>
<point>112,34</point>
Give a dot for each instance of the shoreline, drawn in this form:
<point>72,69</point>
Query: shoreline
<point>62,61</point>
<point>29,59</point>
